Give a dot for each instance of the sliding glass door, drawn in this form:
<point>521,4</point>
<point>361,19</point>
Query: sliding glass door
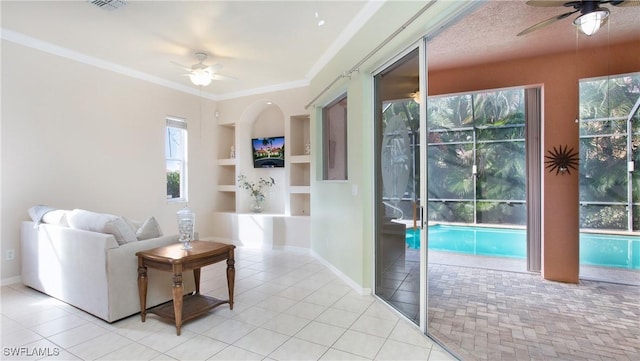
<point>398,174</point>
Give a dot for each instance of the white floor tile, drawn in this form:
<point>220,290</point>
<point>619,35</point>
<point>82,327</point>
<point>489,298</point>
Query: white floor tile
<point>374,326</point>
<point>261,341</point>
<point>298,350</point>
<point>230,331</point>
<point>336,317</point>
<point>354,303</point>
<point>59,325</point>
<point>440,355</point>
<point>100,346</point>
<point>197,348</point>
<point>359,343</point>
<point>337,355</point>
<point>288,307</point>
<point>78,335</point>
<point>255,316</point>
<point>277,303</point>
<point>232,353</point>
<point>164,339</point>
<point>286,324</point>
<point>410,334</point>
<point>397,351</point>
<point>133,351</point>
<point>321,333</point>
<point>306,310</point>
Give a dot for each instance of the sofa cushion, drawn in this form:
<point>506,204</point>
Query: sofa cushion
<point>37,212</point>
<point>121,230</point>
<point>89,221</point>
<point>101,223</point>
<point>57,217</point>
<point>149,229</point>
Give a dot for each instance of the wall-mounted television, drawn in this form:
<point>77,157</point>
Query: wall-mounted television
<point>268,152</point>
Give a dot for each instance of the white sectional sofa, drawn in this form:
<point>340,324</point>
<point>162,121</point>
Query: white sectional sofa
<point>90,269</point>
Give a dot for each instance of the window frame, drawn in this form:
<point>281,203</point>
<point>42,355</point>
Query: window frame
<point>335,147</point>
<point>179,124</point>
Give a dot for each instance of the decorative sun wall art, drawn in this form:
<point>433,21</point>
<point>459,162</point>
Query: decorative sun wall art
<point>561,160</point>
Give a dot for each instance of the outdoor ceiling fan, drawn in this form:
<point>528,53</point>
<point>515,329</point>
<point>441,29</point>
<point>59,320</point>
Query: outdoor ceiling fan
<point>591,18</point>
<point>202,74</point>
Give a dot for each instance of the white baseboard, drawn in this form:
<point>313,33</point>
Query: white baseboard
<point>351,283</point>
<point>11,281</point>
<point>293,249</point>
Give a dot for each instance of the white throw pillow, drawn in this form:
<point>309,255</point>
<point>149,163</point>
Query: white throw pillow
<point>57,217</point>
<point>89,221</point>
<point>149,229</point>
<point>134,225</point>
<point>121,230</point>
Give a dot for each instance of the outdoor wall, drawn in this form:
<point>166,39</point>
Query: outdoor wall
<point>558,75</point>
<point>75,136</point>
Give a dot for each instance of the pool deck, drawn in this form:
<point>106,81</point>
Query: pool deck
<point>604,274</point>
<point>491,308</point>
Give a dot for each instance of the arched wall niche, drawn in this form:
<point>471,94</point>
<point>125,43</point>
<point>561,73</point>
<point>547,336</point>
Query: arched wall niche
<point>260,119</point>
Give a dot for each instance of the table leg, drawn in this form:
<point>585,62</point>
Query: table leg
<point>196,277</point>
<point>177,296</point>
<point>142,288</point>
<point>231,276</point>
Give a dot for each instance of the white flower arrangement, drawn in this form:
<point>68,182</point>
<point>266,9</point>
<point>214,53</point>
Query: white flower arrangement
<point>256,189</point>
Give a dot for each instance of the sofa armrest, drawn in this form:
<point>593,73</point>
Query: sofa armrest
<point>66,263</point>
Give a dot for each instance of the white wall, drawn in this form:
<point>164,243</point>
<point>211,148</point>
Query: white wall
<point>261,115</point>
<point>342,218</point>
<point>75,136</point>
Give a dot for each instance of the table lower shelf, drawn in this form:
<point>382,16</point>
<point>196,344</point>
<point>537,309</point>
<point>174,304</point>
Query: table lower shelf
<point>193,306</point>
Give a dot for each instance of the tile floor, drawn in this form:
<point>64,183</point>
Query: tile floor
<point>288,306</point>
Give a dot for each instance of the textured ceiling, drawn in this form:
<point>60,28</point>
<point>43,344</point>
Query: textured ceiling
<point>489,34</point>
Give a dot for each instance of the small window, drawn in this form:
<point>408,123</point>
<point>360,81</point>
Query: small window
<point>334,140</point>
<point>176,159</point>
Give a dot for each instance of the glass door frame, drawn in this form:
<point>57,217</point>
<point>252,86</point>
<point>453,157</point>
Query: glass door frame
<point>424,180</point>
<point>420,45</point>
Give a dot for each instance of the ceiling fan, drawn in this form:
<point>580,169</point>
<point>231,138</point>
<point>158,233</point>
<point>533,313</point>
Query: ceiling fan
<point>202,74</point>
<point>591,18</point>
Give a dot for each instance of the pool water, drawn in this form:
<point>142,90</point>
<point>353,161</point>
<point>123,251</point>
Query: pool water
<point>595,249</point>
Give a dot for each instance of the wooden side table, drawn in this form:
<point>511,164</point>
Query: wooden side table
<point>174,259</point>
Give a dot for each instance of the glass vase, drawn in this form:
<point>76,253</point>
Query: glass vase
<point>186,227</point>
<point>257,205</point>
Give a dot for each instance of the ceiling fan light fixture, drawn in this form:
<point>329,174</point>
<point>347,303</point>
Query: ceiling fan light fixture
<point>591,22</point>
<point>201,77</point>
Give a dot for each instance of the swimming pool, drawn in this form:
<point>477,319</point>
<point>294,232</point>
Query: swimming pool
<point>595,249</point>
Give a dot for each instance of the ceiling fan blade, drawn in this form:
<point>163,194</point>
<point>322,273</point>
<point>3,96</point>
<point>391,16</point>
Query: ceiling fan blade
<point>213,68</point>
<point>222,77</point>
<point>623,3</point>
<point>545,23</point>
<point>184,67</point>
<point>546,3</point>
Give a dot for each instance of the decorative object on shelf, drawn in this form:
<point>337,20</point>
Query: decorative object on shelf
<point>307,148</point>
<point>256,190</point>
<point>232,152</point>
<point>561,160</point>
<point>186,227</point>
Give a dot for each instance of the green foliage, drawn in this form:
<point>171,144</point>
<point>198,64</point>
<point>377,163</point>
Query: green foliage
<point>605,105</point>
<point>485,130</point>
<point>173,185</point>
<point>256,189</point>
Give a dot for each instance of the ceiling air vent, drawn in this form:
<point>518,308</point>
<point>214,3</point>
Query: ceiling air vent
<point>108,4</point>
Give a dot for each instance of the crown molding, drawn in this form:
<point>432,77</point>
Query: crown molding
<point>354,26</point>
<point>267,89</point>
<point>30,42</point>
